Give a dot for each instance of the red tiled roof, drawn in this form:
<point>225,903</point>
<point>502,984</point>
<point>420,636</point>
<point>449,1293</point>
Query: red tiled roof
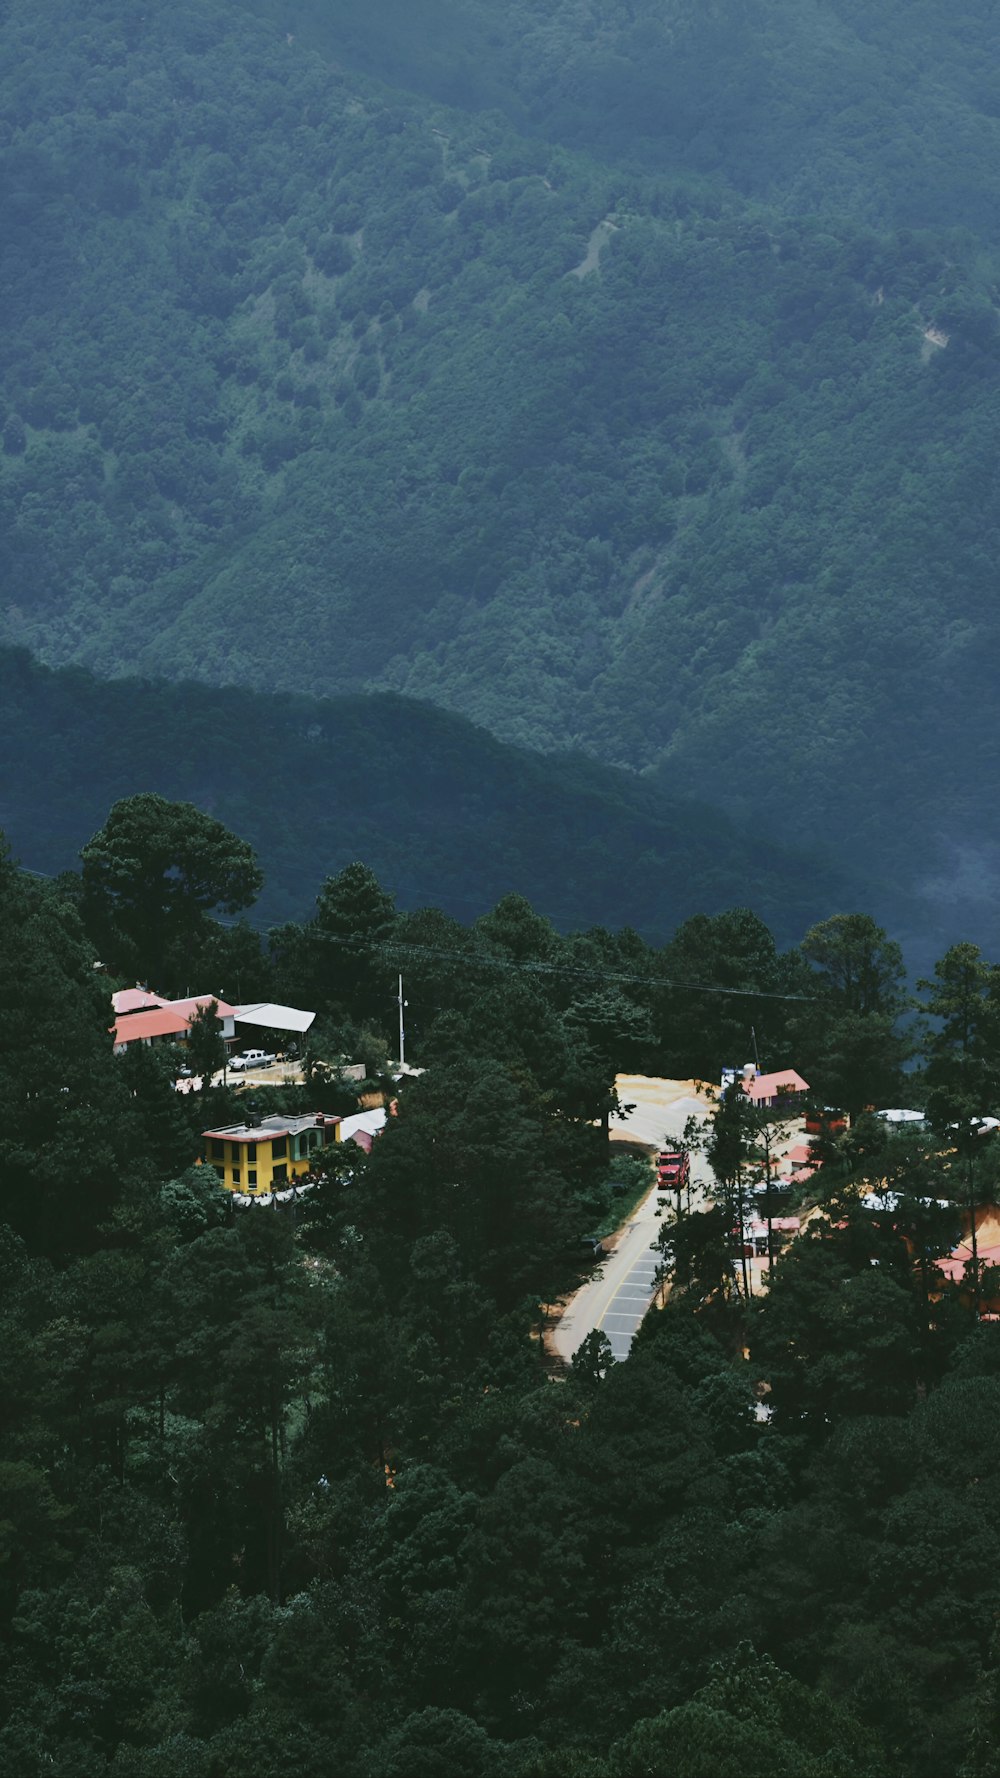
<point>768,1086</point>
<point>160,1021</point>
<point>129,1000</point>
<point>801,1155</point>
<point>953,1264</point>
<point>190,1006</point>
<point>139,1014</point>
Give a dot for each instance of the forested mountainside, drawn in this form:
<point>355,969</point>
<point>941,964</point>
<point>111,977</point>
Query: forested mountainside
<point>888,111</point>
<point>298,1491</point>
<point>685,457</point>
<point>445,814</point>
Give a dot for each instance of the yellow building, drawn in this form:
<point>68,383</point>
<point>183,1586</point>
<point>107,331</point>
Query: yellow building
<point>264,1157</point>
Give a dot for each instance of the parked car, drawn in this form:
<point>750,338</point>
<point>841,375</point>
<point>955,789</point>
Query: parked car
<point>251,1059</point>
<point>592,1248</point>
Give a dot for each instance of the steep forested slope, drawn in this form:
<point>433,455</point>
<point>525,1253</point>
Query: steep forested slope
<point>309,385</point>
<point>444,813</point>
<point>888,111</point>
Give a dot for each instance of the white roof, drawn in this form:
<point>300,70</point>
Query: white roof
<point>273,1017</point>
<point>369,1121</point>
<point>889,1200</point>
<point>896,1116</point>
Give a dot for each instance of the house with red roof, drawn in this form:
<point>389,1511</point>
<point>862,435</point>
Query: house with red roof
<point>953,1264</point>
<point>191,1005</point>
<point>157,1025</point>
<point>782,1088</point>
<point>137,999</point>
<point>165,1021</point>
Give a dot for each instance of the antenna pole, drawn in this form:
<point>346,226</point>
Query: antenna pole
<point>402,1036</point>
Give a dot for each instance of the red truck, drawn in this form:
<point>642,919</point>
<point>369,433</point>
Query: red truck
<point>673,1169</point>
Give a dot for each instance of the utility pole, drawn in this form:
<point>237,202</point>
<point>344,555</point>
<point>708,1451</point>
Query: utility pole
<point>402,1036</point>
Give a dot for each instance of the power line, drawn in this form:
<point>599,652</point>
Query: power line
<point>484,961</point>
<point>582,971</point>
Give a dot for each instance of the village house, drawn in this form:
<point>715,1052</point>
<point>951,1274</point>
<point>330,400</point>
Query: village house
<point>132,1000</point>
<point>257,1158</point>
<point>782,1088</point>
<point>142,1017</point>
<point>160,1024</point>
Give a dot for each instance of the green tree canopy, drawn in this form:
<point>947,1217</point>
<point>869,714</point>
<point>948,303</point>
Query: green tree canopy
<point>962,1036</point>
<point>67,1122</point>
<point>152,875</point>
<point>206,1048</point>
<point>345,944</point>
<point>860,967</point>
<point>850,1044</point>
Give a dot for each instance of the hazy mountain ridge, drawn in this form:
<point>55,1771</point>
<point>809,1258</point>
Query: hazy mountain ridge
<point>299,390</point>
<point>444,813</point>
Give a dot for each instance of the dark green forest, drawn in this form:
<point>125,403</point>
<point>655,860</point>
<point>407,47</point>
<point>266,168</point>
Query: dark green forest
<point>303,1495</point>
<point>619,376</point>
<point>548,451</point>
<point>888,113</point>
<point>445,814</point>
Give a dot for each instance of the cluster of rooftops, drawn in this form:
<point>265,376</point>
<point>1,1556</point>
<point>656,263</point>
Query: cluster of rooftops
<point>264,1158</point>
<point>766,1089</point>
<point>143,1017</point>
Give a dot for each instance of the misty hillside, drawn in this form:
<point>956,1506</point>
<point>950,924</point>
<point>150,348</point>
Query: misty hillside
<point>650,410</point>
<point>889,112</point>
<point>445,815</point>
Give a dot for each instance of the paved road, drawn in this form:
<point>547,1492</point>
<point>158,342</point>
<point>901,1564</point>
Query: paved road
<point>617,1297</point>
